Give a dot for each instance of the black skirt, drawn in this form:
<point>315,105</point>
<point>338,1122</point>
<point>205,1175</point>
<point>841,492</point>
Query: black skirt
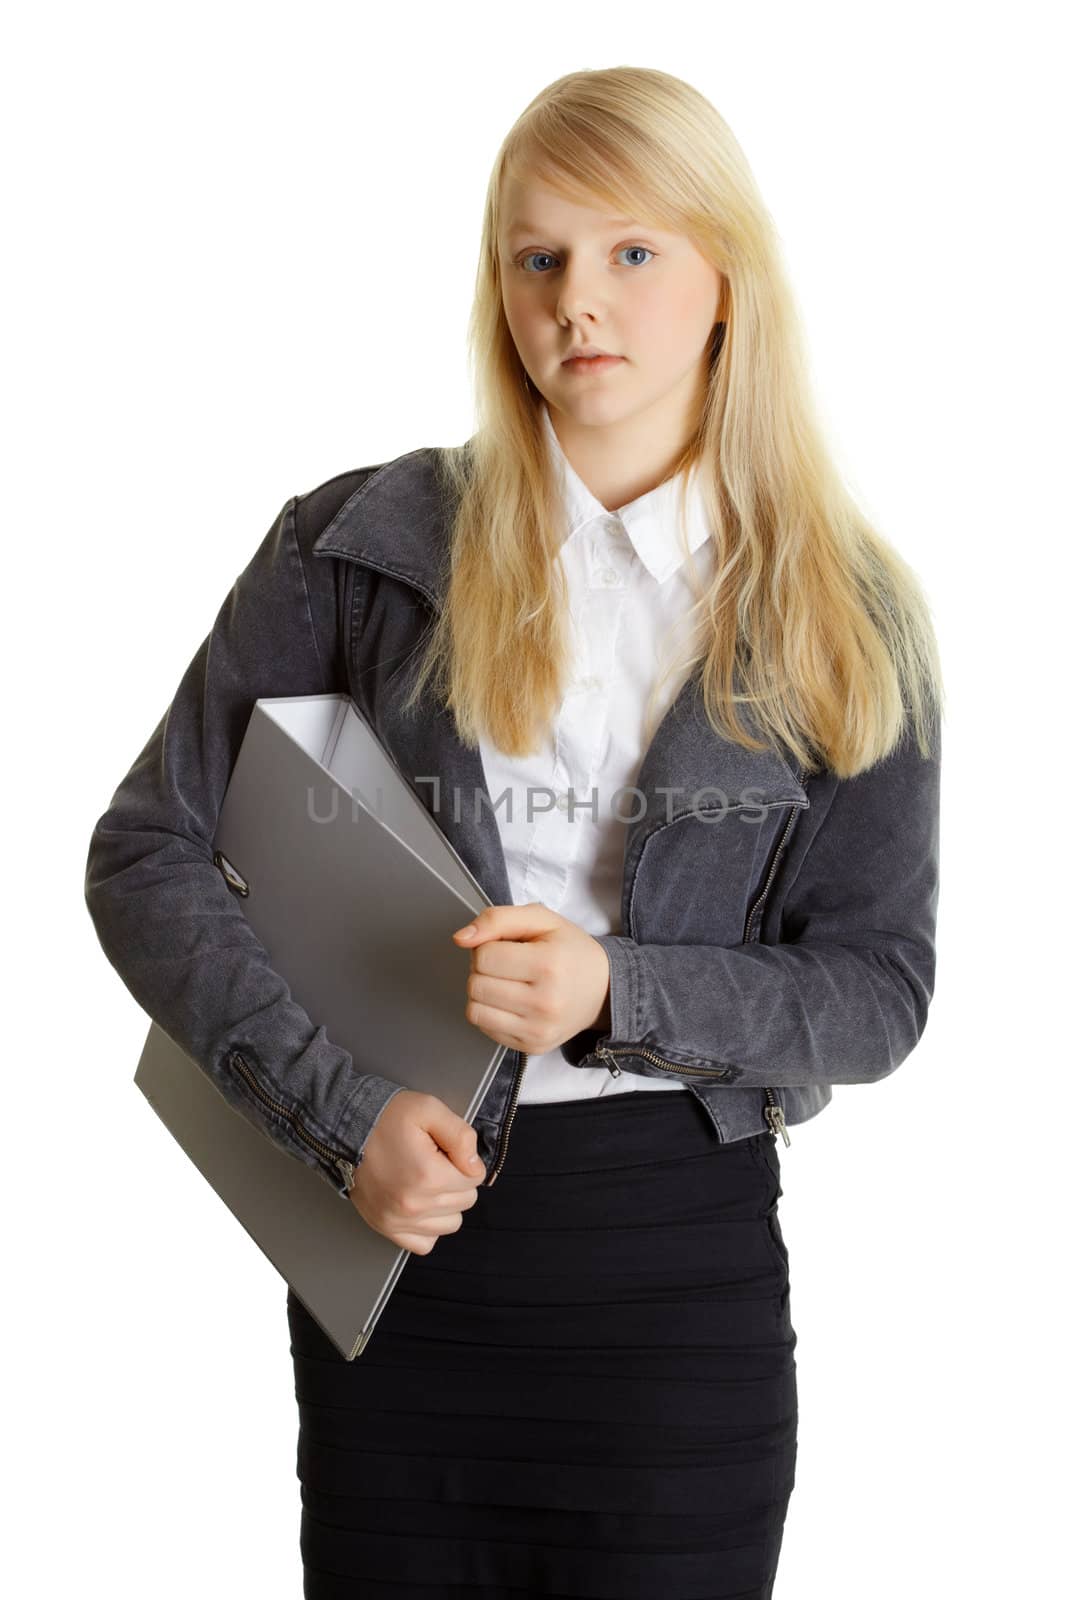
<point>588,1390</point>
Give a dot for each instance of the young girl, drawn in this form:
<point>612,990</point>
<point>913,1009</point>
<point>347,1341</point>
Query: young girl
<point>640,617</point>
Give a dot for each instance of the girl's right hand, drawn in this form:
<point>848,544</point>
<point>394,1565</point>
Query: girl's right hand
<point>416,1178</point>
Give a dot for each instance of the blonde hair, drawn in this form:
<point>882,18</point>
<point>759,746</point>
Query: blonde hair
<point>811,622</point>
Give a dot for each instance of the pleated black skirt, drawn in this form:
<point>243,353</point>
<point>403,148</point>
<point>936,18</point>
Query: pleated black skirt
<point>589,1390</point>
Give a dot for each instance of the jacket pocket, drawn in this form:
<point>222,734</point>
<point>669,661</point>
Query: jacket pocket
<point>706,873</point>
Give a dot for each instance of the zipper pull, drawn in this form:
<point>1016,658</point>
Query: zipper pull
<point>238,884</point>
<point>606,1056</point>
<point>348,1171</point>
<point>776,1119</point>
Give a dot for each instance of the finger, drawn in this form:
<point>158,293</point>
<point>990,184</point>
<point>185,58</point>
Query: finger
<point>508,922</point>
<point>503,1026</point>
<point>506,994</point>
<point>512,961</point>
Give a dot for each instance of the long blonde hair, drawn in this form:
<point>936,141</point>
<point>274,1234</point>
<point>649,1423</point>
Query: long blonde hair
<point>811,622</point>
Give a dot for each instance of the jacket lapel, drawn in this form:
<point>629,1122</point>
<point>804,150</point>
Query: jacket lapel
<point>397,521</point>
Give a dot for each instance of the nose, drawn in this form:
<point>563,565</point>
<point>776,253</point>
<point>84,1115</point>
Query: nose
<point>578,294</point>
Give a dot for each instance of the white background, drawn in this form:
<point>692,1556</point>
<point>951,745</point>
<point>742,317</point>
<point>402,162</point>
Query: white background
<point>239,258</point>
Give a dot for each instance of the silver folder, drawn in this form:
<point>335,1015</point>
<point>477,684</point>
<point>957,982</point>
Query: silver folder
<point>316,823</point>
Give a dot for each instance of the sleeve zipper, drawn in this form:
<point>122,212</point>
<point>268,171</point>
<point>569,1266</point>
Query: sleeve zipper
<point>345,1166</point>
<point>608,1057</point>
<point>772,1111</point>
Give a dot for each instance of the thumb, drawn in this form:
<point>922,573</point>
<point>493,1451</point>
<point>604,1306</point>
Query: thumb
<point>457,1138</point>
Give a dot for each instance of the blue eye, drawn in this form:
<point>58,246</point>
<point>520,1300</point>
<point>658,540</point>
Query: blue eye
<point>542,254</point>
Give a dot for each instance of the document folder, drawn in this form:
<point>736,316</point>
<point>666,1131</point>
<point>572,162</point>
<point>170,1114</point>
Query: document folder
<point>353,889</point>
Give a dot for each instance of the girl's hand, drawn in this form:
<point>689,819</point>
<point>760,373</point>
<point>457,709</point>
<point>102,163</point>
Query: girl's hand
<point>535,979</point>
<point>420,1172</point>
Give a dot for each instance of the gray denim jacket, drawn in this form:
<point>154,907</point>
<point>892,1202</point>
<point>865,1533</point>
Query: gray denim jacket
<point>777,925</point>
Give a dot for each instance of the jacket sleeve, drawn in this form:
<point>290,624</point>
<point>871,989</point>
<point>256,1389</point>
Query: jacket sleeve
<point>167,922</point>
<point>842,995</point>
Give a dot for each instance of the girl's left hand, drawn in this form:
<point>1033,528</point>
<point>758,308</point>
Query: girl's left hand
<point>535,979</point>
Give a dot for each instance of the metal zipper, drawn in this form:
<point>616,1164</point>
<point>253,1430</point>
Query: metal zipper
<point>607,1056</point>
<point>783,841</point>
<point>775,1116</point>
<point>772,1111</point>
<point>238,884</point>
<point>508,1120</point>
<point>339,1159</point>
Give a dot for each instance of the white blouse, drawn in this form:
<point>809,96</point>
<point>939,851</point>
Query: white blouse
<point>627,595</point>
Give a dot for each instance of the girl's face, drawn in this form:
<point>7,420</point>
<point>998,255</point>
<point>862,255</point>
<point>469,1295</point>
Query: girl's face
<point>573,275</point>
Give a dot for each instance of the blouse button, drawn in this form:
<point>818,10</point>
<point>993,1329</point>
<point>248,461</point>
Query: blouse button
<point>608,575</point>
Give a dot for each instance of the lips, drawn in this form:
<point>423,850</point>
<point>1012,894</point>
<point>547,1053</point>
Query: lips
<point>585,365</point>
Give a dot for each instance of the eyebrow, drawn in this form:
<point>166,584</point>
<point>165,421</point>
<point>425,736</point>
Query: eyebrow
<point>614,222</point>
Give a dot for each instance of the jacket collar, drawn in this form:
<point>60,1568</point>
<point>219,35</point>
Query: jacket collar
<point>397,521</point>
